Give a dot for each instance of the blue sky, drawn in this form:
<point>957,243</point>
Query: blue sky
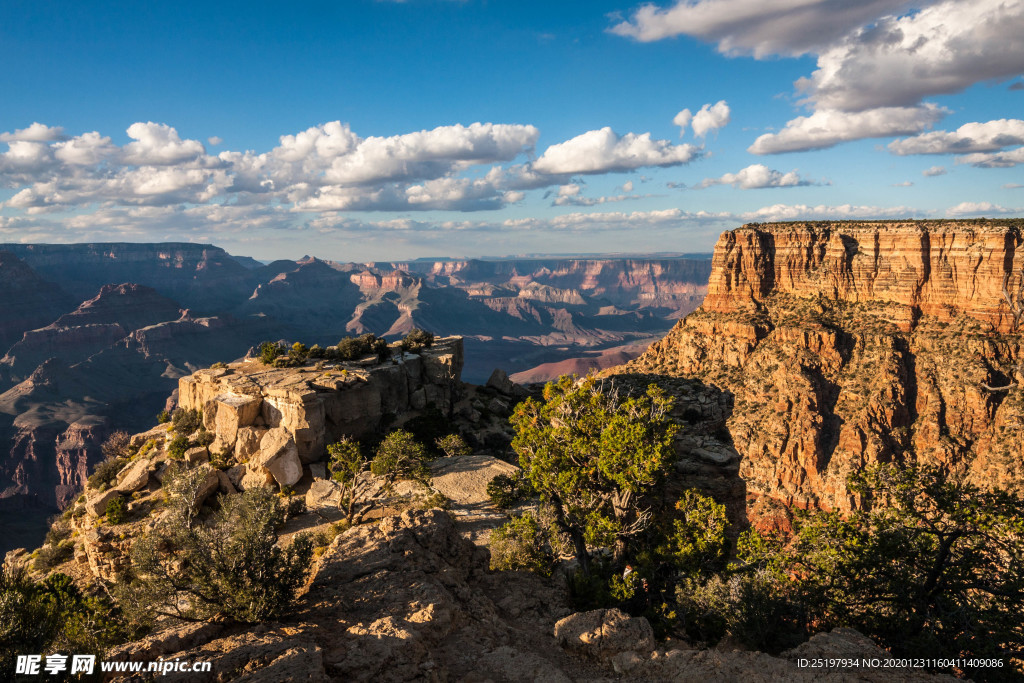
<point>371,130</point>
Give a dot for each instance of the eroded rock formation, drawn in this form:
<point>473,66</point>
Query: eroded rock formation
<point>846,344</point>
<point>312,407</point>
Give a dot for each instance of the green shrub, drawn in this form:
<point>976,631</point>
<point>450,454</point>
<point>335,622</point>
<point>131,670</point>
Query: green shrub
<point>400,456</point>
<point>754,608</point>
<point>507,490</point>
<point>436,499</point>
<point>204,437</point>
<point>53,554</point>
<point>163,417</point>
<point>227,569</point>
<point>49,616</point>
<point>521,544</point>
<point>417,340</point>
<point>117,510</point>
<point>60,528</point>
<point>269,351</point>
<point>316,352</point>
<point>453,445</point>
<point>354,348</point>
<point>186,421</point>
<point>298,353</point>
<point>177,447</point>
<point>347,466</point>
<point>105,473</point>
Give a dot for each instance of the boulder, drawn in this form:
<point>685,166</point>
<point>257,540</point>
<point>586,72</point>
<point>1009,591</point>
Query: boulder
<point>499,381</point>
<point>225,484</point>
<point>323,494</point>
<point>134,476</point>
<point>236,474</point>
<point>464,479</point>
<point>197,454</point>
<point>318,470</point>
<point>159,433</point>
<point>604,633</point>
<point>254,477</point>
<point>498,407</point>
<point>247,442</point>
<point>279,456</point>
<point>97,505</point>
<point>234,411</point>
<point>209,487</point>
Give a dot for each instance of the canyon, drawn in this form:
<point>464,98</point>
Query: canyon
<point>96,336</point>
<point>844,344</point>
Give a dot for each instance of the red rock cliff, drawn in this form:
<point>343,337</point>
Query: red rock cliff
<point>846,344</point>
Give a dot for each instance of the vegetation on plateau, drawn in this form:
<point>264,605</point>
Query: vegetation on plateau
<point>930,568</point>
<point>51,615</point>
<point>228,567</point>
<point>347,349</point>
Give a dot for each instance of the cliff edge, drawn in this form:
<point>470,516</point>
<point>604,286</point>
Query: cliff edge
<point>844,344</point>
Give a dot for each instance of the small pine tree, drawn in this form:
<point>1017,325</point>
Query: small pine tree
<point>348,466</point>
<point>453,445</point>
<point>400,456</point>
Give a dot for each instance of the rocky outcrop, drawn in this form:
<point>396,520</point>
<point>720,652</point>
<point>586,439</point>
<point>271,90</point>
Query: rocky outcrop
<point>846,344</point>
<point>278,419</point>
<point>409,600</point>
<point>604,633</point>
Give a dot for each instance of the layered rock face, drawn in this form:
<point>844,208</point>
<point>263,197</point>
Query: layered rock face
<point>668,283</point>
<point>255,409</point>
<point>93,326</point>
<point>200,276</point>
<point>29,301</point>
<point>847,344</point>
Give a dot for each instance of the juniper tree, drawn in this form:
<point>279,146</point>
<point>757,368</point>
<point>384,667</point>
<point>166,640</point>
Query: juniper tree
<point>349,467</point>
<point>228,567</point>
<point>595,455</point>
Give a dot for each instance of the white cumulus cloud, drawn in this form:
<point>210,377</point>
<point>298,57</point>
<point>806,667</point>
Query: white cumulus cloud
<point>979,209</point>
<point>829,127</point>
<point>757,176</point>
<point>711,117</point>
<point>879,58</point>
<point>158,144</point>
<point>682,119</point>
<point>989,136</point>
<point>780,27</point>
<point>933,171</point>
<point>603,151</point>
<point>37,132</point>
<point>898,60</point>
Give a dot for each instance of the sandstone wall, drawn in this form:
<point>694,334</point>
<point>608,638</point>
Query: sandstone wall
<point>847,344</point>
<point>242,402</point>
<point>933,268</point>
